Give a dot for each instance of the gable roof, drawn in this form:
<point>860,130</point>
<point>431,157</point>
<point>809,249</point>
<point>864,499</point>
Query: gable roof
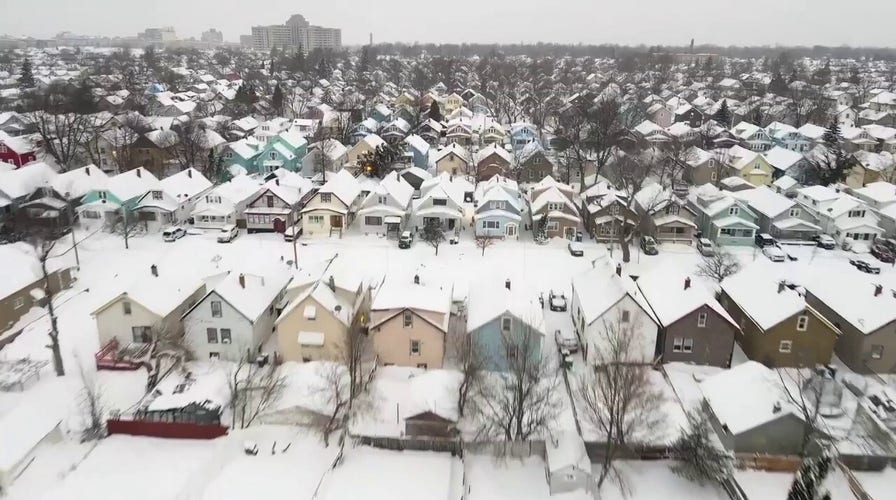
<point>254,297</point>
<point>851,296</point>
<point>342,185</point>
<point>757,292</point>
<point>665,292</point>
<point>185,184</point>
<point>782,158</point>
<point>600,288</point>
<point>25,180</point>
<point>490,300</point>
<point>132,183</point>
<point>76,183</point>
<point>765,201</point>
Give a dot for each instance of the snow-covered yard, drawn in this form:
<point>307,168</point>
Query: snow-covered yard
<point>520,479</point>
<point>655,479</point>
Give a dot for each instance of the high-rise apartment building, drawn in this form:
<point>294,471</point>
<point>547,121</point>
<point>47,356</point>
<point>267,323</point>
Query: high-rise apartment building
<point>296,32</point>
<point>212,36</point>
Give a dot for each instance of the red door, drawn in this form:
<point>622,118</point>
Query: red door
<point>279,225</point>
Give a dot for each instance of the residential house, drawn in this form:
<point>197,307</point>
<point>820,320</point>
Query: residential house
<point>173,201</point>
<point>789,137</point>
<point>154,150</point>
<point>333,207</point>
<point>552,205</point>
<point>604,301</point>
<point>664,215</point>
<point>367,127</point>
<point>385,209</point>
<point>395,131</point>
<point>243,154</point>
<point>74,184</point>
<point>328,155</point>
<point>864,310</point>
<point>316,324</point>
<point>431,131</point>
<point>440,200</point>
<point>778,328</point>
<point>689,115</point>
<point>753,137</point>
<point>492,160</point>
<point>451,103</point>
<point>362,148</point>
<point>15,124</point>
<point>242,127</point>
<point>567,465</point>
<point>226,203</point>
<point>285,150</point>
<point>877,195</point>
<point>499,208</point>
<point>122,191</point>
<point>693,326</point>
<point>277,204</point>
<point>703,167</point>
<point>20,276</point>
<point>419,150</point>
<point>16,186</point>
<point>651,134</point>
<point>779,215</point>
<point>492,132</point>
<point>870,167</point>
<point>533,163</point>
<point>839,214</point>
<point>723,218</point>
<point>453,159</point>
<point>501,320</point>
<point>522,134</point>
<point>750,166</point>
<point>409,322</point>
<point>608,212</point>
<point>857,139</point>
<point>659,114</point>
<point>788,162</point>
<point>236,316</point>
<point>16,150</point>
<point>266,131</point>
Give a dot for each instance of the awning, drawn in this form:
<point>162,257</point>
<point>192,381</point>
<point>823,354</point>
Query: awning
<point>392,220</point>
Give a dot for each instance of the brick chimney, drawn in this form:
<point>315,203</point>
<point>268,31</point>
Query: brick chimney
<point>687,283</point>
<point>277,181</point>
<point>139,173</point>
<point>781,286</point>
<point>190,173</point>
<point>242,280</point>
<point>507,283</point>
<point>878,289</point>
<point>87,171</point>
<point>154,270</point>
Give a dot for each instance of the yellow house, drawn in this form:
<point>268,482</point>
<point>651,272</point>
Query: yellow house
<point>453,159</point>
<point>751,166</point>
<point>452,103</point>
<point>315,325</point>
<point>364,146</point>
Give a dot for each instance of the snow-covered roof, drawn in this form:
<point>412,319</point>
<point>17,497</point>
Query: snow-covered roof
<point>20,267</point>
<point>399,294</point>
<point>238,189</point>
<point>880,192</point>
<point>566,449</point>
<point>489,300</point>
<point>453,148</point>
<point>160,294</point>
<point>417,142</point>
<point>490,150</point>
<point>600,288</point>
<point>819,193</point>
<point>782,158</point>
<point>785,182</point>
<point>17,144</point>
<point>251,294</point>
<point>851,296</point>
<point>185,184</point>
<point>757,291</point>
<point>76,183</point>
<point>665,291</point>
<point>244,148</point>
<point>206,384</point>
<point>812,131</point>
<point>132,183</point>
<point>25,180</point>
<point>746,396</point>
<point>342,185</point>
<point>29,421</point>
<point>765,201</point>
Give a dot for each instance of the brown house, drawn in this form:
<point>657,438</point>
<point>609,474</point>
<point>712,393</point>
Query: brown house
<point>865,314</point>
<point>665,216</point>
<point>491,161</point>
<point>694,328</point>
<point>45,209</point>
<point>778,327</point>
<point>534,163</point>
<point>552,202</point>
<point>607,212</point>
<point>22,285</point>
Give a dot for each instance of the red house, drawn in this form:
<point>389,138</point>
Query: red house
<point>16,150</point>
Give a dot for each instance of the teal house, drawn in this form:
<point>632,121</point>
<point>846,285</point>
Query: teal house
<point>241,154</point>
<point>502,323</point>
<point>104,203</point>
<point>723,218</point>
<point>285,150</point>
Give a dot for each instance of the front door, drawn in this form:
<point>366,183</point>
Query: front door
<point>451,224</point>
<point>510,230</point>
<point>336,221</point>
<point>569,233</point>
<point>279,225</point>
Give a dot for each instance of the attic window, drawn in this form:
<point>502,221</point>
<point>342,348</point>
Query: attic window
<point>734,211</point>
<point>126,306</point>
<point>157,195</point>
<point>794,212</point>
<point>326,197</point>
<point>625,316</point>
<point>856,213</point>
<point>408,319</point>
<point>506,323</point>
<point>228,155</point>
<point>439,202</point>
<point>701,320</point>
<point>802,322</point>
<point>216,308</point>
<point>102,195</point>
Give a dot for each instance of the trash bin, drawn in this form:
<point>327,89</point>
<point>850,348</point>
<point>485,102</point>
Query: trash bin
<point>579,236</point>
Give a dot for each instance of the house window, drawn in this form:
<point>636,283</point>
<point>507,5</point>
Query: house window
<point>141,334</point>
<point>102,195</point>
<point>415,348</point>
<point>553,207</point>
<point>877,351</point>
<point>505,324</point>
<point>439,202</point>
<point>408,319</point>
<point>213,355</point>
<point>127,307</point>
<point>373,221</point>
<point>326,197</point>
<point>552,226</point>
<point>625,316</point>
<point>216,308</point>
<point>272,155</point>
<point>498,205</point>
<point>225,335</point>
<point>269,201</point>
<point>795,212</point>
<point>785,346</point>
<point>734,211</point>
<point>315,219</point>
<point>213,199</point>
<point>688,345</point>
<point>856,213</point>
<point>228,155</point>
<point>802,322</point>
<point>381,199</point>
<point>491,224</point>
<point>614,209</point>
<point>701,320</point>
<point>19,302</point>
<point>714,176</point>
<point>677,344</point>
<point>157,195</point>
<point>212,335</point>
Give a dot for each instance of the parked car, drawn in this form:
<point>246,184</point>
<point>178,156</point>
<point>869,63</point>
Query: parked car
<point>575,249</point>
<point>648,245</point>
<point>825,241</point>
<point>557,302</point>
<point>865,266</point>
<point>566,341</point>
<point>774,254</point>
<point>764,240</point>
<point>705,247</point>
<point>292,233</point>
<point>228,233</point>
<point>405,240</point>
<point>883,253</point>
<point>173,233</point>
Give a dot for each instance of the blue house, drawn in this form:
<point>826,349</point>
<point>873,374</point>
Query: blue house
<point>286,150</point>
<point>419,150</point>
<point>723,218</point>
<point>522,134</point>
<point>360,131</point>
<point>502,322</point>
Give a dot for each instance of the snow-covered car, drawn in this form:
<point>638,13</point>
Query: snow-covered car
<point>705,247</point>
<point>228,233</point>
<point>557,302</point>
<point>774,254</point>
<point>173,233</point>
<point>865,266</point>
<point>576,249</point>
<point>566,341</point>
<point>825,241</point>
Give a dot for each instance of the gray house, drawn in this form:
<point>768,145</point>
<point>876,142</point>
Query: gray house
<point>500,320</point>
<point>498,210</point>
<point>865,312</point>
<point>723,218</point>
<point>779,215</point>
<point>694,328</point>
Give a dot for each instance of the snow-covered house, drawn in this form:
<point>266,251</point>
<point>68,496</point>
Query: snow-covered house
<point>499,208</point>
<point>567,463</point>
<point>664,215</point>
<point>522,134</point>
<point>754,137</point>
<point>418,149</point>
<point>363,147</point>
<point>363,129</point>
<point>533,163</point>
<point>395,131</point>
<point>750,166</point>
<point>439,200</point>
<point>492,133</point>
<point>236,315</point>
<point>327,155</point>
<point>333,207</point>
<point>17,185</point>
<point>552,206</point>
<point>385,209</point>
<point>173,202</point>
<point>20,275</point>
<point>492,160</point>
<point>779,215</point>
<point>122,190</point>
<point>277,204</point>
<point>868,167</point>
<point>607,211</point>
<point>501,320</point>
<point>839,214</point>
<point>605,300</point>
<point>877,195</point>
<point>787,162</point>
<point>453,159</point>
<point>75,184</point>
<point>225,204</point>
<point>723,218</point>
<point>285,150</point>
<point>242,154</point>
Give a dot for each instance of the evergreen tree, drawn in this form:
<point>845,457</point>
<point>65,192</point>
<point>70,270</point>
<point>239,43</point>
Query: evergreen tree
<point>701,460</point>
<point>778,85</point>
<point>26,79</point>
<point>296,63</point>
<point>808,483</point>
<point>833,165</point>
<point>541,230</point>
<point>434,111</point>
<point>277,100</point>
<point>364,63</point>
<point>81,100</point>
<point>723,115</point>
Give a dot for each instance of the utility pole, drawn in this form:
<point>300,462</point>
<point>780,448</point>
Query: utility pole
<point>124,211</point>
<point>75,246</point>
<point>295,236</point>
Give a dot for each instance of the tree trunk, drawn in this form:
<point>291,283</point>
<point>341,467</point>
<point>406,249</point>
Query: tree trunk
<point>54,326</point>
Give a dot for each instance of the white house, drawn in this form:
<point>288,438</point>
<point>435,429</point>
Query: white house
<point>237,315</point>
<point>328,154</point>
<point>439,200</point>
<point>384,211</point>
<point>173,203</point>
<point>841,215</point>
<point>226,203</point>
<point>333,207</point>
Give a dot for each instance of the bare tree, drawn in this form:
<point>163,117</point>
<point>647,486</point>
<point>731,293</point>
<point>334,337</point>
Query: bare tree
<point>483,242</point>
<point>522,401</point>
<point>805,390</point>
<point>43,243</point>
<point>92,406</point>
<point>252,390</point>
<point>702,459</point>
<point>718,266</point>
<point>127,225</point>
<point>63,134</point>
<point>616,394</point>
<point>169,349</point>
<point>631,173</point>
<point>469,359</point>
<point>333,391</point>
<point>433,234</point>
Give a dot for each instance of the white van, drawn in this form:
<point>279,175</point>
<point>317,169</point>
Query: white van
<point>705,247</point>
<point>228,233</point>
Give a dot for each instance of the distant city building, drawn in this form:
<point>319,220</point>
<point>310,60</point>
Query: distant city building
<point>246,41</point>
<point>158,35</point>
<point>212,36</point>
<point>296,32</point>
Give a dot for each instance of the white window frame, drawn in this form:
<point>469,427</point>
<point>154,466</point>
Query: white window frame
<point>701,320</point>
<point>677,344</point>
<point>785,346</point>
<point>217,308</point>
<point>795,212</point>
<point>416,348</point>
<point>734,211</point>
<point>688,345</point>
<point>18,303</point>
<point>802,323</point>
<point>407,319</point>
<point>506,324</point>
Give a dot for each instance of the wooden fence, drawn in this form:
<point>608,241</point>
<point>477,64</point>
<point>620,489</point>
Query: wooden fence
<point>176,430</point>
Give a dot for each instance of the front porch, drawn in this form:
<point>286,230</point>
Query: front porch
<point>268,219</point>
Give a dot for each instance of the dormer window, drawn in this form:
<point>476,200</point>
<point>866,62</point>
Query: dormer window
<point>157,195</point>
<point>439,202</point>
<point>102,195</point>
<point>734,211</point>
<point>856,213</point>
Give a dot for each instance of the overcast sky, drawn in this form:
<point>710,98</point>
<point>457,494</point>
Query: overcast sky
<point>754,22</point>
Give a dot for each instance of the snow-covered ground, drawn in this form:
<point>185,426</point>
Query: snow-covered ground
<point>518,479</point>
<point>655,479</point>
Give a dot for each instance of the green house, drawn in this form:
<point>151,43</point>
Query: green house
<point>122,190</point>
<point>724,219</point>
<point>285,150</point>
<point>241,153</point>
